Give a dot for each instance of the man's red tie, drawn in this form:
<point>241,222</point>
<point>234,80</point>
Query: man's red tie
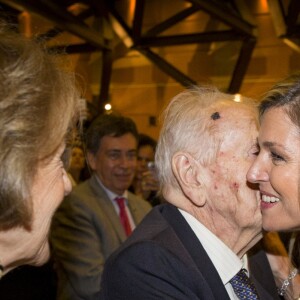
<point>123,215</point>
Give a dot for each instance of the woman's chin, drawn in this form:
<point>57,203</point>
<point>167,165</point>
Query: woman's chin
<point>42,256</point>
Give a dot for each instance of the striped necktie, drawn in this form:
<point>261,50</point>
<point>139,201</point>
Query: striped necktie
<point>243,286</point>
<point>123,215</point>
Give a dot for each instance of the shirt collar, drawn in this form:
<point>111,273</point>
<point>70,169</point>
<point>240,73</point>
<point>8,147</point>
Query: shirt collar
<point>111,195</point>
<point>223,258</point>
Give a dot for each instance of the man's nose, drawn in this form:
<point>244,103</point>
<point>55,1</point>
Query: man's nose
<point>125,161</point>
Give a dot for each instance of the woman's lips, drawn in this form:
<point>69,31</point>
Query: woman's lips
<point>268,200</point>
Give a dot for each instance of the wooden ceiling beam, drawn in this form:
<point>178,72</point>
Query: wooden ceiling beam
<point>73,49</point>
<point>61,18</point>
<point>106,71</point>
<point>53,32</point>
<point>241,65</point>
<point>286,25</point>
<point>159,28</point>
<point>168,68</point>
<point>138,19</point>
<point>277,14</point>
<point>123,31</point>
<point>218,10</point>
<point>292,15</point>
<point>195,38</point>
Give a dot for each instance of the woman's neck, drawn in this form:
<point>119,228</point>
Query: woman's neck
<point>12,248</point>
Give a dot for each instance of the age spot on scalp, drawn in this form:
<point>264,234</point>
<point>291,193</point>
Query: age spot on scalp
<point>235,186</point>
<point>215,116</point>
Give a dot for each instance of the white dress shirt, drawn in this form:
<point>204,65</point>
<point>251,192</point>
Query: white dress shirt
<point>112,196</point>
<point>224,259</point>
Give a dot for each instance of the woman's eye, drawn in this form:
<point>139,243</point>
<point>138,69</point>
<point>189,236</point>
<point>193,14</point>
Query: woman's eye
<point>276,157</point>
<point>255,150</point>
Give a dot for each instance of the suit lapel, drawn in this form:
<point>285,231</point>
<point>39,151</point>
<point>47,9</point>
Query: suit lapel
<point>261,274</point>
<point>133,209</point>
<point>105,204</point>
<point>196,251</point>
<point>136,212</point>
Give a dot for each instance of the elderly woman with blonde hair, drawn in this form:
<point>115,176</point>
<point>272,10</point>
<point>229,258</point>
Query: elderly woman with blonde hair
<point>38,107</point>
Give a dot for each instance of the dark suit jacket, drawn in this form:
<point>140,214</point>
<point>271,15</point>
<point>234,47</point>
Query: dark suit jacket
<point>86,229</point>
<point>163,259</point>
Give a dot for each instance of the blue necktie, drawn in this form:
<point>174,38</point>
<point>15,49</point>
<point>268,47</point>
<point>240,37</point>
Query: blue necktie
<point>243,287</point>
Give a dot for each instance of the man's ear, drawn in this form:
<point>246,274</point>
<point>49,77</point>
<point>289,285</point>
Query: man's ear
<point>91,160</point>
<point>186,171</point>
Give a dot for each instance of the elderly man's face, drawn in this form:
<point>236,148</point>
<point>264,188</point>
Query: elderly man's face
<point>232,200</point>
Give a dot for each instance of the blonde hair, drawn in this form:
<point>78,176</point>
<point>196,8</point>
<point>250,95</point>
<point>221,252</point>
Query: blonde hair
<point>284,94</point>
<point>38,102</point>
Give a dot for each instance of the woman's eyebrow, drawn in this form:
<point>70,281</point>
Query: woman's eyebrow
<point>269,144</point>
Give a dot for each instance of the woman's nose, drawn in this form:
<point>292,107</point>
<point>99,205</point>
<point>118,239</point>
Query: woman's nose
<point>257,172</point>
